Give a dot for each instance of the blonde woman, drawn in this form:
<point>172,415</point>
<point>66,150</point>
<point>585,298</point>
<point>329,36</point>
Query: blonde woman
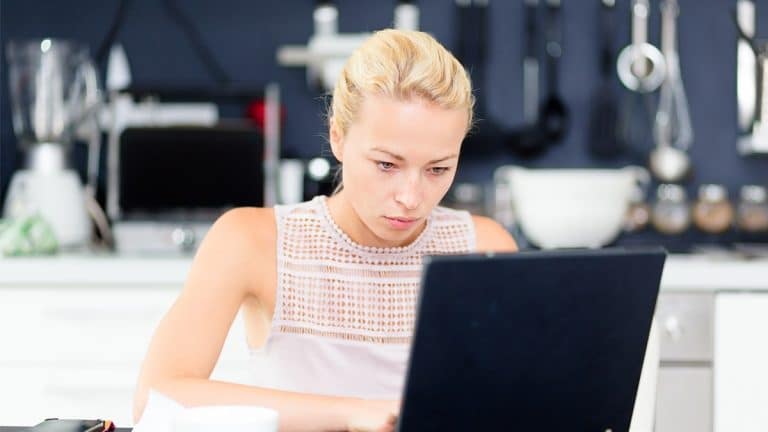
<point>328,287</point>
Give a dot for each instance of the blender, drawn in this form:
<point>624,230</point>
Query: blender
<point>54,99</point>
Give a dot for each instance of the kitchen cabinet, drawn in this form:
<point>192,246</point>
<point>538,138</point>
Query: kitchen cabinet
<point>713,374</point>
<point>741,360</point>
<point>74,350</point>
<point>73,331</point>
<point>684,388</point>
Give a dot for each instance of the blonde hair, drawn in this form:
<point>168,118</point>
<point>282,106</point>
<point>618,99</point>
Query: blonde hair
<point>401,64</point>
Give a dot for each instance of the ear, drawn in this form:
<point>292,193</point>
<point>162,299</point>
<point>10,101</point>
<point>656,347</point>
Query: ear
<point>337,140</point>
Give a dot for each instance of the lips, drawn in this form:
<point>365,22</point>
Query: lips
<point>401,223</point>
<point>402,219</point>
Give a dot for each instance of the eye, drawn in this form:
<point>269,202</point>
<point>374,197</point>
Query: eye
<point>385,166</point>
<point>438,170</point>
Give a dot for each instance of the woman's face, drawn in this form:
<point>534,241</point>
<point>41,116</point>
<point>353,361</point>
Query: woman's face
<point>399,160</point>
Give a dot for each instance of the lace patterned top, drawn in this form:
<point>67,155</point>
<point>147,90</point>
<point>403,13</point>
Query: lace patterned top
<point>345,313</point>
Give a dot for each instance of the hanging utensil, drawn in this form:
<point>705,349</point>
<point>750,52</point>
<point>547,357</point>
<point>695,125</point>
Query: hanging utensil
<point>529,140</point>
<point>758,140</point>
<point>531,63</point>
<point>641,69</point>
<point>746,65</point>
<point>640,65</point>
<point>751,83</point>
<point>602,139</point>
<point>554,116</point>
<point>472,28</point>
<point>673,133</point>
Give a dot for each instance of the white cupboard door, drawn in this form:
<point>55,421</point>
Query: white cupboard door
<point>741,362</point>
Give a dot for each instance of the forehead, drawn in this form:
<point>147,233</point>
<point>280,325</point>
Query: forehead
<point>409,127</point>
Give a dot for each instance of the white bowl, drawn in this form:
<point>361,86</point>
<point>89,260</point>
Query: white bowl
<point>571,208</point>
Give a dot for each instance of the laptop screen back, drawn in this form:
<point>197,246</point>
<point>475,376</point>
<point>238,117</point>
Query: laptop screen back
<point>549,341</point>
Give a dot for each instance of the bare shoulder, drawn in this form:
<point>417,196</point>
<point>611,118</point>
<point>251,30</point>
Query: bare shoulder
<point>239,245</point>
<point>246,226</point>
<point>491,236</point>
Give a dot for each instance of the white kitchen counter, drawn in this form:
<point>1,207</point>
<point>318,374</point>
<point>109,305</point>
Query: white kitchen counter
<point>708,273</point>
<point>682,272</point>
<point>96,270</point>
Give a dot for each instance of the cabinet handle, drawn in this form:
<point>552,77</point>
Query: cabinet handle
<point>673,328</point>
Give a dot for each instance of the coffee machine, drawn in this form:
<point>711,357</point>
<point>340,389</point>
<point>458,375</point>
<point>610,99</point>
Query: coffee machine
<point>54,98</point>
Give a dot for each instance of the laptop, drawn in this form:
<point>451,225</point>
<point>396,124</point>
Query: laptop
<point>530,341</point>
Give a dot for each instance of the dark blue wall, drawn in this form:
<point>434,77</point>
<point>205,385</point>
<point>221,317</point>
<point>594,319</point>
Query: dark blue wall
<point>244,35</point>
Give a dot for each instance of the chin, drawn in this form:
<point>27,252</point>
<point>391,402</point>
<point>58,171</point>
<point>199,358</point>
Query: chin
<point>397,238</point>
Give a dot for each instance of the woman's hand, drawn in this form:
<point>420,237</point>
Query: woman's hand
<point>373,416</point>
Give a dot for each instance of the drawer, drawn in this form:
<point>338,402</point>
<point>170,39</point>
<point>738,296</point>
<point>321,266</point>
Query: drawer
<point>76,327</point>
<point>30,394</point>
<point>684,399</point>
<point>686,326</point>
<point>79,325</point>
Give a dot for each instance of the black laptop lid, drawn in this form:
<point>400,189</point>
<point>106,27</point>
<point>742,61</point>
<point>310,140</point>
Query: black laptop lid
<point>532,341</point>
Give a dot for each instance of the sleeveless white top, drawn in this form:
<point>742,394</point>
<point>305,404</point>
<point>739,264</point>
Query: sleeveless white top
<point>345,313</point>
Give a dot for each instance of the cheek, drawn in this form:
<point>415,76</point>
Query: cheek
<point>359,175</point>
<point>440,191</point>
<point>442,184</point>
<point>368,186</point>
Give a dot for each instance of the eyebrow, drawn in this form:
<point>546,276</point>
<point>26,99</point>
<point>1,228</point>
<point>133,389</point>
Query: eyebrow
<point>400,158</point>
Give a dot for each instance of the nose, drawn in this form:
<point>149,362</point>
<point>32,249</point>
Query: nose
<point>410,195</point>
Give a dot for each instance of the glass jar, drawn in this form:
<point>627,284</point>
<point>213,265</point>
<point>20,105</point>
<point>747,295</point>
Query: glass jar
<point>671,214</point>
<point>638,214</point>
<point>713,212</point>
<point>752,211</point>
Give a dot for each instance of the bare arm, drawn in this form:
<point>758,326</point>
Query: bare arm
<point>492,237</point>
<point>230,264</point>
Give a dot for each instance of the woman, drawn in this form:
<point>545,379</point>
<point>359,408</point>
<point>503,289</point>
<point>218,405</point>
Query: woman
<point>328,288</point>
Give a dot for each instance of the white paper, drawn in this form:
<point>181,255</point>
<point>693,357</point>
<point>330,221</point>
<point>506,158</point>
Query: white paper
<point>163,414</point>
<point>159,413</point>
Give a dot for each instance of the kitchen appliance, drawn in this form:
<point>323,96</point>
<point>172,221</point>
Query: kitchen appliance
<point>175,166</point>
<point>406,15</point>
<point>172,182</point>
<point>54,99</point>
<point>327,50</point>
<point>568,208</point>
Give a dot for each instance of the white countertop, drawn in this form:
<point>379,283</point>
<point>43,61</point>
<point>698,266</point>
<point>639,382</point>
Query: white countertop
<point>94,270</point>
<point>708,273</point>
<point>682,272</point>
